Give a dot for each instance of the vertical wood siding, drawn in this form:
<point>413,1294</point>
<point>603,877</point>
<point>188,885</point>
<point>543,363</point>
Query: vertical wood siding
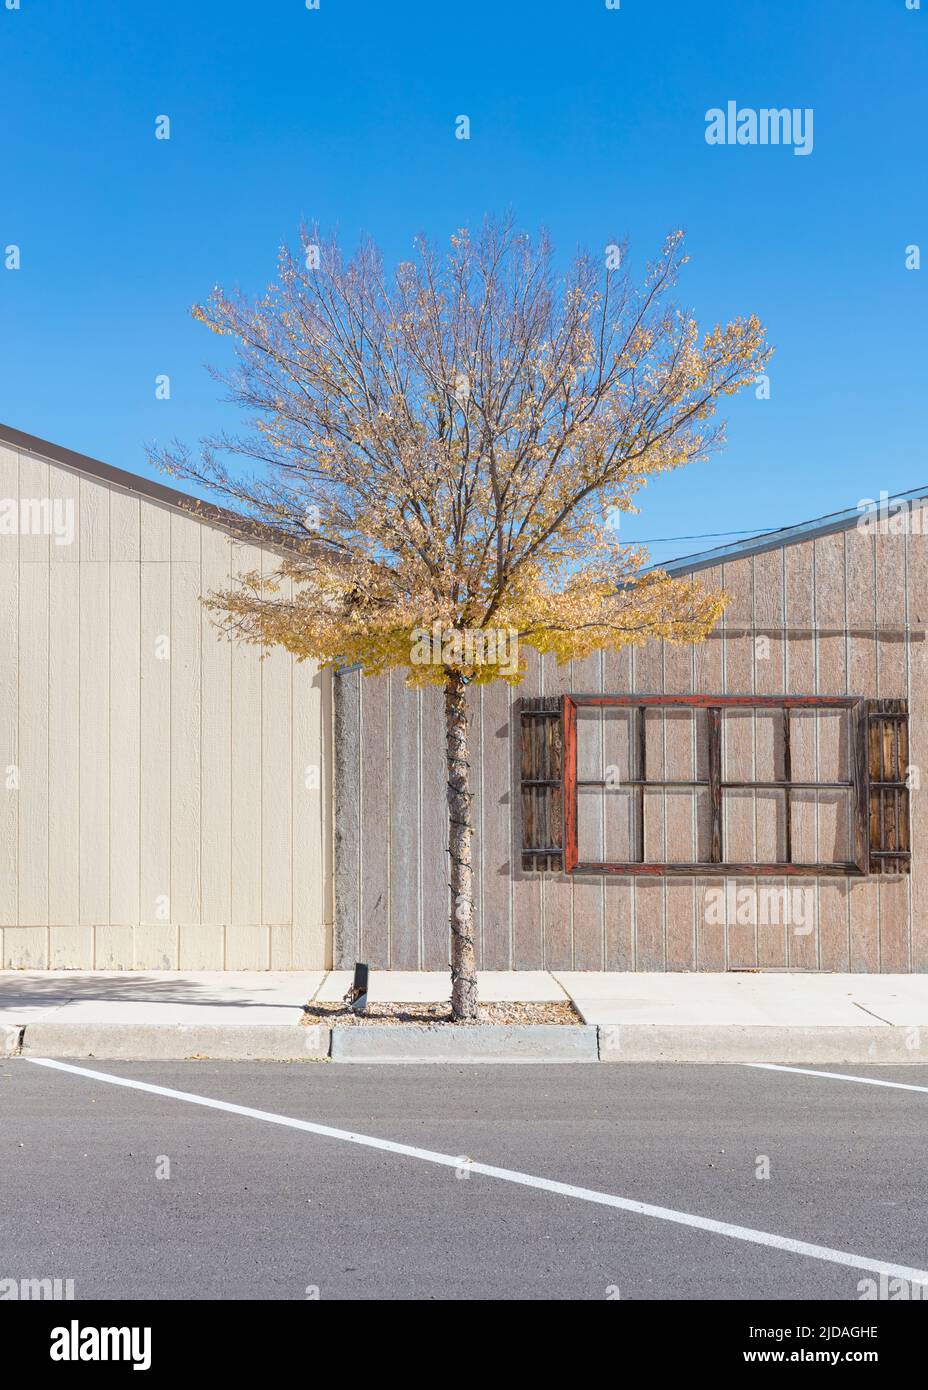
<point>840,614</point>
<point>166,797</point>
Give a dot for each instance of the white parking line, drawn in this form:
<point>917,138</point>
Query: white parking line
<point>836,1076</point>
<point>561,1189</point>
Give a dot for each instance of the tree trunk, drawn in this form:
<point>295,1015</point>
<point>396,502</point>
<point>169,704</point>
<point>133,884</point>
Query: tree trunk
<point>461,831</point>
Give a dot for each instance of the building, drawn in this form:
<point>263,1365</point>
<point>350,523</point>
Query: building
<point>173,801</point>
<point>166,793</point>
<point>820,680</point>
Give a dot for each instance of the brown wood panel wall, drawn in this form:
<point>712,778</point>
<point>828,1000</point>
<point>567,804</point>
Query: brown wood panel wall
<point>739,657</point>
<point>892,683</point>
<point>588,920</point>
<point>498,855</point>
<point>558,889</point>
<point>525,902</point>
<point>917,609</point>
<point>770,679</point>
<point>618,894</point>
<point>433,839</point>
<point>832,613</point>
<point>832,679</point>
<point>860,548</point>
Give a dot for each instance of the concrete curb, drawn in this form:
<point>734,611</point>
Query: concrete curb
<point>631,1042</point>
<point>270,1042</point>
<point>545,1042</point>
<point>652,1042</point>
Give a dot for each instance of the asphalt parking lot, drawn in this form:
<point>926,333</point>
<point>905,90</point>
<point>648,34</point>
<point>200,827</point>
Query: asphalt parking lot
<point>132,1193</point>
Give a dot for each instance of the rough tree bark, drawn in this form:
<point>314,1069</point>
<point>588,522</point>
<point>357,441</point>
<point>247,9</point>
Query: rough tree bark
<point>461,831</point>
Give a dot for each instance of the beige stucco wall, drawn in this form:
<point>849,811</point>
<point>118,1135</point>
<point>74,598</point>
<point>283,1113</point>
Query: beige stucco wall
<point>166,794</point>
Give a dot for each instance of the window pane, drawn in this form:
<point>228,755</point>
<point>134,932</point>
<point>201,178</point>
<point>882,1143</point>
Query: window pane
<point>676,744</point>
<point>738,745</point>
<point>821,744</point>
<point>607,821</point>
<point>770,826</point>
<point>834,746</point>
<point>768,745</point>
<point>822,827</point>
<point>606,744</point>
<point>677,825</point>
<point>753,826</point>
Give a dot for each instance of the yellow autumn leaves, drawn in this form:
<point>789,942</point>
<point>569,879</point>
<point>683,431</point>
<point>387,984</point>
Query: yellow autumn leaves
<point>464,435</point>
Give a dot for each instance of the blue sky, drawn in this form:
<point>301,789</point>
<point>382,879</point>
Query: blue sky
<point>588,121</point>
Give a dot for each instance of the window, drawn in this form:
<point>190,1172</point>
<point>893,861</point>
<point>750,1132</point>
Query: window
<point>713,784</point>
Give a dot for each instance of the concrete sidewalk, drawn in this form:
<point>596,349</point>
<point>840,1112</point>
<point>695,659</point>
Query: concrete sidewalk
<point>775,999</point>
<point>238,1015</point>
<point>754,1017</point>
<point>226,997</point>
<point>638,1017</point>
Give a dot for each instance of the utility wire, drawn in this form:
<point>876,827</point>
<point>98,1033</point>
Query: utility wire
<point>702,536</point>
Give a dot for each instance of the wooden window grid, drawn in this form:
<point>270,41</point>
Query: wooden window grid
<point>877,784</point>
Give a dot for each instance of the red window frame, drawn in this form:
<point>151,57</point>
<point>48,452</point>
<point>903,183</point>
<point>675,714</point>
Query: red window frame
<point>858,785</point>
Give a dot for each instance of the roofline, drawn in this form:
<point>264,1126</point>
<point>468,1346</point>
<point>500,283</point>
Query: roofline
<point>135,483</point>
<point>229,521</point>
<point>787,535</point>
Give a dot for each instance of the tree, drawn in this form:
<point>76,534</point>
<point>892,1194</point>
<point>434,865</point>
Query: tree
<point>445,453</point>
